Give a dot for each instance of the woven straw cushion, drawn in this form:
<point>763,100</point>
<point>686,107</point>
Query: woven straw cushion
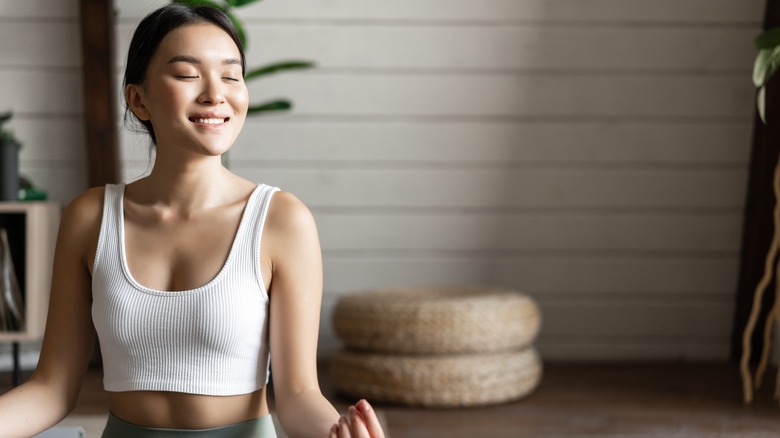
<point>439,380</point>
<point>436,320</point>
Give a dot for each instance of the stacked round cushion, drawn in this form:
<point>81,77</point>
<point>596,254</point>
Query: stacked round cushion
<point>437,346</point>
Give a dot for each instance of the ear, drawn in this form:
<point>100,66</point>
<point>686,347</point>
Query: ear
<point>134,96</point>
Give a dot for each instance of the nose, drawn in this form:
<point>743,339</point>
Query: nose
<point>212,92</point>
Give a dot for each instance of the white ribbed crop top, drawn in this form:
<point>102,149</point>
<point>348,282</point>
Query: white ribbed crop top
<point>211,340</point>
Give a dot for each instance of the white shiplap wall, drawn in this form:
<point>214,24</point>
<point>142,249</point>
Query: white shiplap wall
<point>592,153</point>
<point>40,81</point>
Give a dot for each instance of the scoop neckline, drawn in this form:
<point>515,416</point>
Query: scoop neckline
<point>136,284</point>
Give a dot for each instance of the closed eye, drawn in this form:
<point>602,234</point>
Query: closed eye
<point>185,77</point>
<point>231,79</point>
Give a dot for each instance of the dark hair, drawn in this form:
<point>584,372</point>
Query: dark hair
<point>151,31</point>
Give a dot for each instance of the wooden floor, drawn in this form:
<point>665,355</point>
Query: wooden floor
<point>579,400</point>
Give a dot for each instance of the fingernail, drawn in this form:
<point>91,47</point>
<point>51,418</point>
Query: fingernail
<point>363,405</point>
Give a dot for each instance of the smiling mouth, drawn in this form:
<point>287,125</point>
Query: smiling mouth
<point>209,120</point>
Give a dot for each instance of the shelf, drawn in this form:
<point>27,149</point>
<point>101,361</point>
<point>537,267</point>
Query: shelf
<point>32,232</point>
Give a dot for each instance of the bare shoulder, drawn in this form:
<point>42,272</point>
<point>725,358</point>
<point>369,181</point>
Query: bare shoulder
<point>290,231</point>
<point>86,210</point>
<point>80,223</point>
<point>289,215</point>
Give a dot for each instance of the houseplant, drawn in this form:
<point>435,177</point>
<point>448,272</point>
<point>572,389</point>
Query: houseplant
<point>766,64</point>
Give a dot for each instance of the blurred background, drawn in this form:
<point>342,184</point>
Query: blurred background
<point>592,154</point>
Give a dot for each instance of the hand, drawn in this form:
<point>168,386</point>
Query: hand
<point>360,422</point>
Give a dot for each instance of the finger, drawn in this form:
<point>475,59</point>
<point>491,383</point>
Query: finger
<point>334,431</point>
<point>371,420</point>
<point>344,428</point>
<point>357,425</point>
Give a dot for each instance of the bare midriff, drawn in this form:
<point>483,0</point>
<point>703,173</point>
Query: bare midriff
<point>175,410</point>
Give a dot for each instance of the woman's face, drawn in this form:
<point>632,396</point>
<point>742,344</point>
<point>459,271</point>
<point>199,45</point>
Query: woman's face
<point>194,92</point>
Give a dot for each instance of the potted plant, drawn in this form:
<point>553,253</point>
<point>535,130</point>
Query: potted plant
<point>9,161</point>
<point>766,64</point>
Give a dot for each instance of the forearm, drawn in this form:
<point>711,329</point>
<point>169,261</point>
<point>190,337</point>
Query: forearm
<point>306,414</point>
<point>31,408</point>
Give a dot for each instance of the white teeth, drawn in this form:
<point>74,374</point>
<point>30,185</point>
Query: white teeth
<point>210,121</point>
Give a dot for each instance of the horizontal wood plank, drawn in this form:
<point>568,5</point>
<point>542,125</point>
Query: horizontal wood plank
<point>507,187</point>
<point>417,95</point>
<point>538,274</point>
<point>48,44</point>
<point>53,139</point>
<point>606,319</point>
<point>291,139</point>
<point>530,232</point>
<point>46,92</point>
<point>36,9</point>
<point>521,48</point>
<point>666,11</point>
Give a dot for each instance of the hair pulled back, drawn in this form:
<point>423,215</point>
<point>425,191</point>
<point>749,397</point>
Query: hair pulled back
<point>153,29</point>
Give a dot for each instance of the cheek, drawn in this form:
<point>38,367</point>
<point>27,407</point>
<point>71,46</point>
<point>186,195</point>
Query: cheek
<point>168,96</point>
<point>241,99</point>
<point>174,95</point>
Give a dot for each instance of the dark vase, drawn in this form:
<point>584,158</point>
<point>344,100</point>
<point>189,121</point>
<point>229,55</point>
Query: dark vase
<point>9,171</point>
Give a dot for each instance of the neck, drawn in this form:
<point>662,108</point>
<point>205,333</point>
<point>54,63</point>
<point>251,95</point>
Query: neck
<point>185,186</point>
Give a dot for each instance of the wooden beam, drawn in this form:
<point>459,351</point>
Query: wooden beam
<point>97,39</point>
<point>758,228</point>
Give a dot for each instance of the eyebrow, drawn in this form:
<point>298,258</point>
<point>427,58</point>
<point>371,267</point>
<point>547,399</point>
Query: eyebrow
<point>194,60</point>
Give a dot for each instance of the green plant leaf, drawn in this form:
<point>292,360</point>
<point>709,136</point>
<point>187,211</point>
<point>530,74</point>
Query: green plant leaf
<point>761,103</point>
<point>766,64</point>
<point>201,3</point>
<point>4,117</point>
<point>769,39</point>
<point>276,105</point>
<point>7,136</point>
<point>239,3</point>
<point>278,67</point>
<point>760,67</point>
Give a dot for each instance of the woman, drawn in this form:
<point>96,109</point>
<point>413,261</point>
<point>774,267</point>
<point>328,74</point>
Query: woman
<point>170,273</point>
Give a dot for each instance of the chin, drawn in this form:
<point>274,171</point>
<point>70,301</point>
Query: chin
<point>215,149</point>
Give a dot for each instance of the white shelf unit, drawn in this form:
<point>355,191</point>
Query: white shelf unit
<point>32,232</point>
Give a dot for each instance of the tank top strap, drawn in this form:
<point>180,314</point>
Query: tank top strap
<point>249,239</point>
<point>110,225</point>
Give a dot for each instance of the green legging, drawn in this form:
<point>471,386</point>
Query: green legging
<point>262,427</point>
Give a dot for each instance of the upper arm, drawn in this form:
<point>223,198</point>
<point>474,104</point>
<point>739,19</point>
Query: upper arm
<point>69,334</point>
<point>295,294</point>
